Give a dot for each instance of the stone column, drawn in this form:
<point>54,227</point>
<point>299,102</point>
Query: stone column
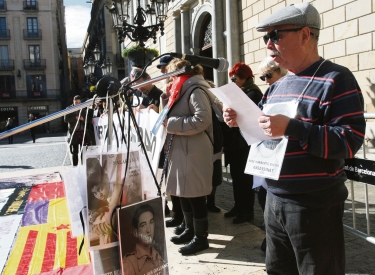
<point>218,42</point>
<point>233,32</point>
<point>185,29</point>
<point>177,31</point>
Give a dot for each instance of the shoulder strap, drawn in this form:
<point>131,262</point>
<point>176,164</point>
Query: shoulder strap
<point>212,113</point>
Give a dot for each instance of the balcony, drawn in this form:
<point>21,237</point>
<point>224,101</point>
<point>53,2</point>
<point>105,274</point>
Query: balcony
<point>3,6</point>
<point>30,5</point>
<point>38,64</point>
<point>6,64</point>
<point>32,34</point>
<point>4,34</point>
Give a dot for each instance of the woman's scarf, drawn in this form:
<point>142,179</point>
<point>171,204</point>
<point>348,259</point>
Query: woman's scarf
<point>250,86</point>
<point>176,89</point>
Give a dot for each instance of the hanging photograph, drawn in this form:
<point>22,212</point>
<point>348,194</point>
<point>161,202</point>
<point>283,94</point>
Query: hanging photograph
<point>105,174</point>
<point>142,238</point>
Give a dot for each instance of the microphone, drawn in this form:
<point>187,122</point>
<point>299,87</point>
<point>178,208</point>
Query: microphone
<point>220,64</point>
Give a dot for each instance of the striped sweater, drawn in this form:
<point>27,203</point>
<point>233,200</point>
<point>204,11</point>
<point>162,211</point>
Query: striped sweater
<point>328,128</point>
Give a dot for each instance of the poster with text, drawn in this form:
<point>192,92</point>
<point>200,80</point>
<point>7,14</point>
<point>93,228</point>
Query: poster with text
<point>106,188</point>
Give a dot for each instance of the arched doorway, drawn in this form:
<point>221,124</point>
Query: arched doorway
<point>205,44</point>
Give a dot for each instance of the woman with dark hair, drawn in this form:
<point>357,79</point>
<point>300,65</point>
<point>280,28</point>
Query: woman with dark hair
<point>189,128</point>
<point>144,259</point>
<point>236,151</point>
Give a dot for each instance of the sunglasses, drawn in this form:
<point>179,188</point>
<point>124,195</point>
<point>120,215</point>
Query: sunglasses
<point>234,79</point>
<point>274,35</point>
<point>267,75</point>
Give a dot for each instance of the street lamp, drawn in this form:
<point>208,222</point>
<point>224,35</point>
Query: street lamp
<point>106,67</point>
<point>157,11</point>
<point>90,66</point>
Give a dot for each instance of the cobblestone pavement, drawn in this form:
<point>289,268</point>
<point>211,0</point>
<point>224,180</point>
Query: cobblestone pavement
<point>48,151</point>
<point>234,249</point>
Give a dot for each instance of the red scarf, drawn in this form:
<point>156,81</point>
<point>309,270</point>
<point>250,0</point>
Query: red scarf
<point>176,88</point>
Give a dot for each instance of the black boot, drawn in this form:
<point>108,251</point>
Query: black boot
<point>188,234</point>
<point>179,229</point>
<point>211,202</point>
<point>199,242</point>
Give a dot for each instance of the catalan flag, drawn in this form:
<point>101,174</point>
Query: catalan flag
<point>44,244</point>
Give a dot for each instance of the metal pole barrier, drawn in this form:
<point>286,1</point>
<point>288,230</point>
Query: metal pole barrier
<point>353,203</point>
<point>82,105</point>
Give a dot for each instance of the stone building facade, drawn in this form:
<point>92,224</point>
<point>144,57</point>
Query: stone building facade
<point>347,36</point>
<point>33,61</point>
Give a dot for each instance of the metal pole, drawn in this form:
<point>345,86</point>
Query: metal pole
<point>82,105</point>
<point>353,203</point>
<point>110,122</point>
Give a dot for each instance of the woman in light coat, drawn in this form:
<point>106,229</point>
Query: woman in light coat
<point>190,157</point>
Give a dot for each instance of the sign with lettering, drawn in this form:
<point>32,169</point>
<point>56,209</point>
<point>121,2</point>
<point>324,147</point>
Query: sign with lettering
<point>8,109</point>
<point>5,95</point>
<point>38,108</point>
<point>361,170</point>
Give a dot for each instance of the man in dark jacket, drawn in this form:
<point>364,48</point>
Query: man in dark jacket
<point>150,93</point>
<point>76,127</point>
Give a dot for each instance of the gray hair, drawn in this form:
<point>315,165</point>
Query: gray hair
<point>268,65</point>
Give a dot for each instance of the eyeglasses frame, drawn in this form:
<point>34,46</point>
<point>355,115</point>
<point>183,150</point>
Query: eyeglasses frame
<point>276,36</point>
<point>268,75</point>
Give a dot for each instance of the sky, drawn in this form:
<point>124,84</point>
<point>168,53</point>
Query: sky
<point>77,18</point>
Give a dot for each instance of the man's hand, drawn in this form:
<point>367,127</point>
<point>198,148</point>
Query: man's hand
<point>273,125</point>
<point>153,107</point>
<point>230,117</point>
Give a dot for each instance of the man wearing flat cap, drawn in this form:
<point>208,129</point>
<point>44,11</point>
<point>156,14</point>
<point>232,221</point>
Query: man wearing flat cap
<point>164,61</point>
<point>304,207</point>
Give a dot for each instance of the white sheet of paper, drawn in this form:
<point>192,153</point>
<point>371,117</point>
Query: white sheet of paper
<point>247,111</point>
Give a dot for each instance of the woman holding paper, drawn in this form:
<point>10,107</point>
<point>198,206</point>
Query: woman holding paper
<point>190,167</point>
<point>236,150</point>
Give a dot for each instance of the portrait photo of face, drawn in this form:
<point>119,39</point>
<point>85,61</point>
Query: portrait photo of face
<point>145,228</point>
<point>142,238</point>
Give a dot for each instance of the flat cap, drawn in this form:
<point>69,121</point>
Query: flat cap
<point>164,60</point>
<point>303,14</point>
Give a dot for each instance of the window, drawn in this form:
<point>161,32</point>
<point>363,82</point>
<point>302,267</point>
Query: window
<point>32,26</point>
<point>6,83</point>
<point>34,53</point>
<point>31,2</point>
<point>36,83</point>
<point>2,4</point>
<point>74,63</point>
<point>3,26</point>
<point>4,57</point>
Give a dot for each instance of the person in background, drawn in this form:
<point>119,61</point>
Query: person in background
<point>189,128</point>
<point>305,205</point>
<point>164,61</point>
<point>150,93</point>
<point>217,176</point>
<point>76,127</point>
<point>236,151</point>
<point>9,126</point>
<point>32,130</point>
<point>271,73</point>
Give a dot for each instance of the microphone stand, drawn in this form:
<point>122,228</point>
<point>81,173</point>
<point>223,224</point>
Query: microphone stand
<point>82,105</point>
